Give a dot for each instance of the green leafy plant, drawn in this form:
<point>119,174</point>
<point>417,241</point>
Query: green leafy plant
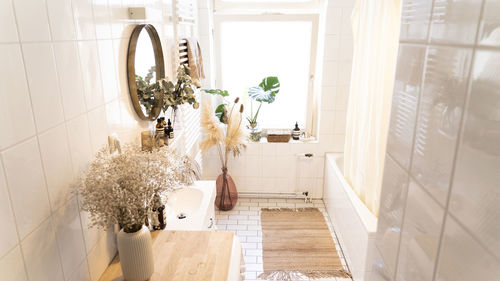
<point>183,91</point>
<point>265,92</point>
<point>220,110</point>
<point>164,93</point>
<point>148,96</point>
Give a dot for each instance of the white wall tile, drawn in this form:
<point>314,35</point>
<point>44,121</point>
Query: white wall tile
<point>79,143</point>
<point>9,234</point>
<point>12,266</point>
<point>420,235</point>
<point>57,165</point>
<point>101,19</point>
<point>28,193</point>
<point>32,20</point>
<point>344,73</point>
<point>380,271</point>
<point>8,27</point>
<point>455,21</point>
<point>327,122</point>
<point>439,118</point>
<point>101,255</point>
<point>489,33</point>
<point>41,254</point>
<point>69,237</point>
<point>346,24</point>
<point>475,189</point>
<point>339,122</point>
<point>332,47</point>
<point>117,15</point>
<point>91,71</point>
<point>346,47</point>
<point>70,78</point>
<point>98,128</point>
<point>66,85</point>
<point>108,71</point>
<point>82,273</point>
<point>405,102</point>
<point>44,85</point>
<point>61,20</point>
<point>333,20</point>
<point>16,122</point>
<point>462,258</point>
<point>84,19</point>
<point>254,164</point>
<point>328,97</point>
<point>468,242</point>
<point>342,97</point>
<point>90,234</point>
<point>415,17</point>
<point>330,73</point>
<point>392,203</point>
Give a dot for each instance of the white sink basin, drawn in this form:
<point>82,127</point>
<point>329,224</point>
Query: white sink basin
<point>191,207</point>
<point>186,200</point>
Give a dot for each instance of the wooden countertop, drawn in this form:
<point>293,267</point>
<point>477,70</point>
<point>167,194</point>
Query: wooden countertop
<point>185,256</point>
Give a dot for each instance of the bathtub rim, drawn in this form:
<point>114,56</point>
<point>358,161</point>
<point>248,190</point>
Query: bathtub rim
<point>367,218</point>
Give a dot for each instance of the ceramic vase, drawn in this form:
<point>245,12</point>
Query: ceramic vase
<point>136,254</point>
<point>227,195</point>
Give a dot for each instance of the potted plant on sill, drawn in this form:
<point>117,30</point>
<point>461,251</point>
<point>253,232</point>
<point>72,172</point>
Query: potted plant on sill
<point>265,92</point>
<point>223,130</point>
<point>119,188</point>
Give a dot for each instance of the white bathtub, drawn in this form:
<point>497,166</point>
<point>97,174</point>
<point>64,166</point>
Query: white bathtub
<point>354,224</point>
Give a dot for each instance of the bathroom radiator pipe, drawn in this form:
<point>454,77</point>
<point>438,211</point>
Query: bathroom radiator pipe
<point>291,195</point>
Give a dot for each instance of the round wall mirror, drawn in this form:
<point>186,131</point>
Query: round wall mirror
<point>145,66</point>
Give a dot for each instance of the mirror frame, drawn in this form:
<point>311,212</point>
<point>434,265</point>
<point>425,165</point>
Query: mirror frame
<point>159,63</point>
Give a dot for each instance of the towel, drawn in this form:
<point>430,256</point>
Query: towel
<point>195,61</point>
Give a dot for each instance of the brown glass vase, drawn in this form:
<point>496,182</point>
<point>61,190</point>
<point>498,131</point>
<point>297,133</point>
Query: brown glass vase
<point>227,195</point>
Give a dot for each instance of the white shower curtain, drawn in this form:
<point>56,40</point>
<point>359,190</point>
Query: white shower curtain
<point>376,27</point>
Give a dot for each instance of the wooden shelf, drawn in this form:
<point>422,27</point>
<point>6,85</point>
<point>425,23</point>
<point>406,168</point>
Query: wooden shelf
<point>185,256</point>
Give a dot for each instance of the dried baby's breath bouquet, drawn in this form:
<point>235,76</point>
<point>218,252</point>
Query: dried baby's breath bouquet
<point>119,187</point>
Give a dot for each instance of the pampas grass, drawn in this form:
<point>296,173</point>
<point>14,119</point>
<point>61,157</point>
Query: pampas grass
<point>228,137</point>
<point>211,127</point>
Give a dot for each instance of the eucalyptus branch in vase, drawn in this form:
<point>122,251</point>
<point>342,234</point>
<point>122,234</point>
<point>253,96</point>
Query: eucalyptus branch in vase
<point>182,92</point>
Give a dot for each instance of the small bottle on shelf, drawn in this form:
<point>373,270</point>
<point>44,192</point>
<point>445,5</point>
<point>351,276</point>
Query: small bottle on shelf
<point>169,130</point>
<point>159,127</point>
<point>296,132</point>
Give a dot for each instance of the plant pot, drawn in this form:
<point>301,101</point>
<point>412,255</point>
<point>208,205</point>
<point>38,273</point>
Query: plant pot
<point>255,132</point>
<point>227,195</point>
<point>136,254</point>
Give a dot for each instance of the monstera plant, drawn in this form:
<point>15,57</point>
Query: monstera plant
<point>264,93</point>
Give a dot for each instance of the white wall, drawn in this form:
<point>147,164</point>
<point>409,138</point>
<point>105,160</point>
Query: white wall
<point>439,208</point>
<point>274,167</point>
<point>64,89</point>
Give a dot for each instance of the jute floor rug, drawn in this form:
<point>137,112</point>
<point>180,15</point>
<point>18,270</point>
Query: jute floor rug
<point>297,244</point>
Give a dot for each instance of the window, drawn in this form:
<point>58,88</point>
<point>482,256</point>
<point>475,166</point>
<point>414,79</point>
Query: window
<point>250,47</point>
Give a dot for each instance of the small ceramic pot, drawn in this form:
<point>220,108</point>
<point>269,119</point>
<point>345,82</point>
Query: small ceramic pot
<point>136,254</point>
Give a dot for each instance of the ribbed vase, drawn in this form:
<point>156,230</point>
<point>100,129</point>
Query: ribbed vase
<point>136,254</point>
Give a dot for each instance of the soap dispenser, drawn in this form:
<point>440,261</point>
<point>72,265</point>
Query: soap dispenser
<point>296,132</point>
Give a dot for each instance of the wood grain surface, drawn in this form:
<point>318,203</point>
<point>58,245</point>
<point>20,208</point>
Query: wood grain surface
<point>185,256</point>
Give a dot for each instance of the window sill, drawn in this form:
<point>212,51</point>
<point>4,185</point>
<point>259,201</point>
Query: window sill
<point>301,141</point>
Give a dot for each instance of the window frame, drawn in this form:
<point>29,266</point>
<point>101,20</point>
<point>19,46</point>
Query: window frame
<point>264,5</point>
<point>310,17</point>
